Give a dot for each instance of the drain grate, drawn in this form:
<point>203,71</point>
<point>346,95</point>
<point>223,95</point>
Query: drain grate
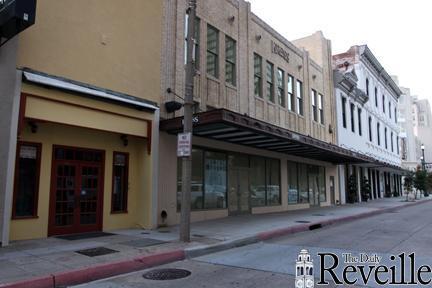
<point>302,221</point>
<point>315,226</point>
<point>98,251</point>
<point>166,274</point>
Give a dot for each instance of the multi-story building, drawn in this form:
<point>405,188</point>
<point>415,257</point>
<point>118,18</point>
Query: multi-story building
<point>84,121</point>
<point>366,105</point>
<point>422,118</point>
<point>408,144</point>
<point>264,128</point>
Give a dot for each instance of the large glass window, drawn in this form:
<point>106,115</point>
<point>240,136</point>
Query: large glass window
<point>306,183</point>
<point>303,183</point>
<point>293,193</point>
<point>258,75</point>
<point>273,181</point>
<point>257,181</point>
<point>280,85</point>
<point>269,86</point>
<point>212,51</point>
<point>299,94</point>
<point>265,181</point>
<point>230,61</point>
<point>197,182</point>
<point>196,42</point>
<point>27,173</point>
<point>215,185</point>
<point>291,99</point>
<point>314,101</point>
<point>120,182</point>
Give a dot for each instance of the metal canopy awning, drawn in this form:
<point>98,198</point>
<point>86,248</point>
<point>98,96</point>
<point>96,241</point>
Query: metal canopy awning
<point>224,125</point>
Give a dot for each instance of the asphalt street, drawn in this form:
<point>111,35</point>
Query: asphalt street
<point>272,263</point>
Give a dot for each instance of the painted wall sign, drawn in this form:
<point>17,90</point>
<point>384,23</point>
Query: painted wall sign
<point>276,49</point>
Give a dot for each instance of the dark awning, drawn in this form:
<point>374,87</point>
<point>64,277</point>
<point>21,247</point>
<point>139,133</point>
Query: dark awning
<point>224,125</point>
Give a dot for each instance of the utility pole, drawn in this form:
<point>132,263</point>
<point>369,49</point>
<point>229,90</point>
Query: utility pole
<point>187,125</point>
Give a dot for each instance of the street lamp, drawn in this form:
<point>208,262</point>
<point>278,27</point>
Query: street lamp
<point>423,157</point>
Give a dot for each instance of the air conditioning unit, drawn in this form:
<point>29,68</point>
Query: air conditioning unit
<point>15,17</point>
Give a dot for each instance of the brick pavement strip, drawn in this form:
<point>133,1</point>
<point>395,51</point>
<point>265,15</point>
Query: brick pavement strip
<point>101,271</point>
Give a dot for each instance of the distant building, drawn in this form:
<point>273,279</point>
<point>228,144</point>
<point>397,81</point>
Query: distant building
<point>422,118</point>
<point>408,140</point>
<point>366,107</point>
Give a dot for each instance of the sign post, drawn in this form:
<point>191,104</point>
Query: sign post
<point>186,137</point>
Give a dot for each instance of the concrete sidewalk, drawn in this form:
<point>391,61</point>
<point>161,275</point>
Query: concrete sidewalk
<point>53,261</point>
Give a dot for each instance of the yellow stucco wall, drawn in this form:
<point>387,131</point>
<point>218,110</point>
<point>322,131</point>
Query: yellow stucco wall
<point>139,195</point>
<point>111,44</point>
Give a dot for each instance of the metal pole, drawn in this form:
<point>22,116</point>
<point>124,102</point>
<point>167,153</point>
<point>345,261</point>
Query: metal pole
<point>187,126</point>
<point>423,160</point>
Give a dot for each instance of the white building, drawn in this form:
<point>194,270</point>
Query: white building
<point>422,120</point>
<point>366,107</point>
<point>408,139</point>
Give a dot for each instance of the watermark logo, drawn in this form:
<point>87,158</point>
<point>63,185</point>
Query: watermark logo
<point>304,270</point>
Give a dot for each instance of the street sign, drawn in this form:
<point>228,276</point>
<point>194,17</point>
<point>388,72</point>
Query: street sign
<point>184,144</point>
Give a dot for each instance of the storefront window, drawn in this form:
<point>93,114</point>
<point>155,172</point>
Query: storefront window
<point>196,182</point>
<point>265,181</point>
<point>322,185</point>
<point>257,181</point>
<point>306,183</point>
<point>293,195</point>
<point>215,180</point>
<point>26,180</point>
<point>120,182</point>
<point>303,183</point>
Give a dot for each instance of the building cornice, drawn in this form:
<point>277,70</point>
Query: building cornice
<point>367,57</point>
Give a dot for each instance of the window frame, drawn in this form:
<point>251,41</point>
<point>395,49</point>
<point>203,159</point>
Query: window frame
<point>344,120</point>
<point>280,83</point>
<point>291,96</point>
<point>299,97</point>
<point>126,193</point>
<point>270,81</point>
<point>314,100</point>
<point>37,182</point>
<point>376,97</point>
<point>385,138</point>
<point>321,108</point>
<point>352,111</point>
<point>370,129</point>
<point>378,134</point>
<point>367,86</point>
<point>229,62</point>
<point>390,113</point>
<point>383,104</point>
<point>214,54</point>
<point>258,76</point>
<point>359,116</point>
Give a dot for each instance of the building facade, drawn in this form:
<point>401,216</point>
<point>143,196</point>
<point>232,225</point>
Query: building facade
<point>84,136</point>
<point>264,125</point>
<point>366,105</point>
<point>408,139</point>
<point>422,118</point>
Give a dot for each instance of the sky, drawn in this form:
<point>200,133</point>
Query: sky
<point>399,32</point>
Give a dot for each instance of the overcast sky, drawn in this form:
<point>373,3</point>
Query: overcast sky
<point>399,33</point>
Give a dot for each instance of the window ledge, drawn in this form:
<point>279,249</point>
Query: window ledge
<point>119,212</point>
<point>25,218</point>
<point>211,77</point>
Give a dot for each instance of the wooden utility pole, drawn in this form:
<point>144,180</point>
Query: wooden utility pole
<point>187,125</point>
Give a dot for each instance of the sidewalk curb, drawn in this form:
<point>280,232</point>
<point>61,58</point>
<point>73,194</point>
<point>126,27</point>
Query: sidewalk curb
<point>85,275</point>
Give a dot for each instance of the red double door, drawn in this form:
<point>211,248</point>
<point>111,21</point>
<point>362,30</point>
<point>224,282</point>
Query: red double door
<point>76,198</point>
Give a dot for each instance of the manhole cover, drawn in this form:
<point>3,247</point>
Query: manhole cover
<point>99,251</point>
<point>302,221</point>
<point>166,274</point>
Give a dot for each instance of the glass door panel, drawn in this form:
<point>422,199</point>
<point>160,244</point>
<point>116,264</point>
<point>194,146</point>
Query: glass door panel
<point>89,195</point>
<point>65,195</point>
